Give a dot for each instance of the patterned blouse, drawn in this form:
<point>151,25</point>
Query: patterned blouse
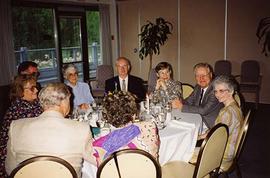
<point>173,91</point>
<point>141,135</point>
<point>232,116</point>
<point>19,109</point>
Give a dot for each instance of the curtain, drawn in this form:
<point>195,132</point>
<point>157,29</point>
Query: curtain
<point>106,46</point>
<point>7,60</point>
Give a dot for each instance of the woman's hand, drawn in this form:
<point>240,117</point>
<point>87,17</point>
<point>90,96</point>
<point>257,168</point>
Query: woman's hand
<point>161,83</point>
<point>84,106</point>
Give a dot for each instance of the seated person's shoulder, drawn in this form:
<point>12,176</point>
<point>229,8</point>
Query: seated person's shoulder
<point>144,125</point>
<point>83,84</point>
<point>138,79</point>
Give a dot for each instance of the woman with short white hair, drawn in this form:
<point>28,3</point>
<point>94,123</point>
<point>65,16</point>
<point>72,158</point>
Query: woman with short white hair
<point>81,91</point>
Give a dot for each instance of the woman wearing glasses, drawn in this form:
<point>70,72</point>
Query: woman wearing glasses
<point>24,104</point>
<point>230,114</point>
<point>81,91</point>
<point>166,87</point>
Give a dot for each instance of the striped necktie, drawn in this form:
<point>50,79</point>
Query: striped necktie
<point>124,85</point>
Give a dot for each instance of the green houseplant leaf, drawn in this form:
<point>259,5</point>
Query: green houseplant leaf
<point>263,34</point>
<point>152,36</point>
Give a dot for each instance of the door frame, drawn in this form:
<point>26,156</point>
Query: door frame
<point>81,15</point>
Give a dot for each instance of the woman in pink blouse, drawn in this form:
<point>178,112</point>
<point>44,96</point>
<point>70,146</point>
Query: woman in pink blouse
<point>120,110</point>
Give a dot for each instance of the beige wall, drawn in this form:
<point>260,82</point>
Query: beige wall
<point>201,32</point>
<point>134,14</point>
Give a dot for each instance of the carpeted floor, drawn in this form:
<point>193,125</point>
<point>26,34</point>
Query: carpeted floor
<point>255,158</point>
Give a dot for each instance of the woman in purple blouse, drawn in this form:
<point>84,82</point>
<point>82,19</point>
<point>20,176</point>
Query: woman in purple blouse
<point>24,104</point>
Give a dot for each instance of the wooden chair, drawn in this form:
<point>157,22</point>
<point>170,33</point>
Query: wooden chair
<point>250,79</point>
<point>228,167</point>
<point>209,158</point>
<point>129,163</point>
<point>44,167</point>
<point>223,67</point>
<point>187,89</point>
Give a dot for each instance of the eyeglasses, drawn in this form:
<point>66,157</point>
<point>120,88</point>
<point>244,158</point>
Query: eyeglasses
<point>202,76</point>
<point>32,88</point>
<point>122,66</point>
<point>166,72</point>
<point>73,74</point>
<point>220,91</point>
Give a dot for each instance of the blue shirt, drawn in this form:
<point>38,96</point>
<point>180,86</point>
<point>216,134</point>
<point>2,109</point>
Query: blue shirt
<point>81,94</point>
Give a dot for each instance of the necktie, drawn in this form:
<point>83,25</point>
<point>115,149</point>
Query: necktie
<point>124,85</point>
<point>201,97</point>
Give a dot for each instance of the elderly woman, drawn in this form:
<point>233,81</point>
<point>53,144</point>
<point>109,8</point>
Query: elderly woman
<point>81,91</point>
<point>24,103</point>
<point>165,86</point>
<point>231,114</point>
<point>120,111</point>
<point>50,133</point>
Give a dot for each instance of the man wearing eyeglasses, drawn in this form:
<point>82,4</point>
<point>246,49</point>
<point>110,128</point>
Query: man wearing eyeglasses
<point>124,81</point>
<point>202,100</point>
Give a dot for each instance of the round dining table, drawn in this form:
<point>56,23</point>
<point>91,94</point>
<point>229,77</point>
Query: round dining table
<point>177,140</point>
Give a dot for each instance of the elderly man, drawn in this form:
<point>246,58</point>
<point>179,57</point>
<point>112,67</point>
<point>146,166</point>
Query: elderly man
<point>50,133</point>
<point>202,100</point>
<point>124,81</point>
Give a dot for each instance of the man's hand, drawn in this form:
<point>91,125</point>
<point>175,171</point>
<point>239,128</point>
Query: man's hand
<point>177,104</point>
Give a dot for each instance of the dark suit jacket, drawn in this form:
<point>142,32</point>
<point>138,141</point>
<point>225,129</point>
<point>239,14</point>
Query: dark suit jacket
<point>209,107</point>
<point>135,86</point>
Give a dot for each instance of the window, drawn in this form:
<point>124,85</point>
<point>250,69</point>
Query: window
<point>34,40</point>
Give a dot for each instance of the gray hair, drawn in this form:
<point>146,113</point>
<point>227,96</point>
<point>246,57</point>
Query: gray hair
<point>203,65</point>
<point>227,81</point>
<point>67,68</point>
<point>53,94</point>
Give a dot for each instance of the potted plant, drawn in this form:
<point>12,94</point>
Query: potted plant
<point>263,34</point>
<point>153,35</point>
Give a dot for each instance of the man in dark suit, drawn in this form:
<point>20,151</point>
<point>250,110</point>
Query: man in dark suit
<point>124,81</point>
<point>202,100</point>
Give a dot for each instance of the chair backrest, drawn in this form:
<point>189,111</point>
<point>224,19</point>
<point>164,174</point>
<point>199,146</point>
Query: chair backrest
<point>242,136</point>
<point>187,89</point>
<point>223,67</point>
<point>237,98</point>
<point>152,80</point>
<point>212,151</point>
<point>104,72</point>
<point>250,71</point>
<point>129,164</point>
<point>44,167</point>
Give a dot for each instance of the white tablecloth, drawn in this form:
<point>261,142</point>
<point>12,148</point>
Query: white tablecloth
<point>177,140</point>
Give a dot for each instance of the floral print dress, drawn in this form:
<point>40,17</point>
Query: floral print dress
<point>19,109</point>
